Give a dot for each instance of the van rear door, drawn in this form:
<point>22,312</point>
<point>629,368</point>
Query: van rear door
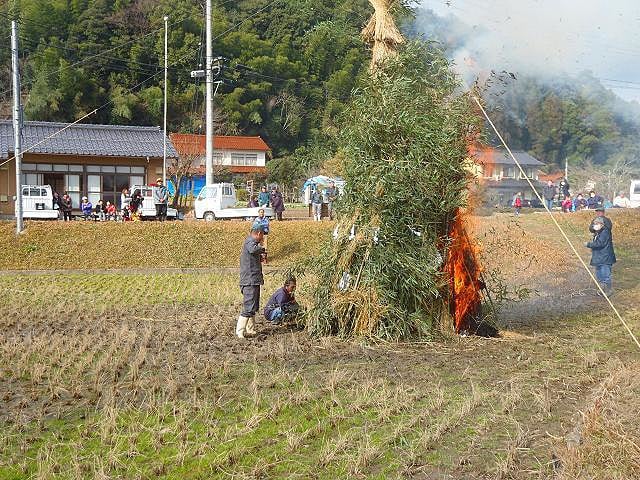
<point>634,194</point>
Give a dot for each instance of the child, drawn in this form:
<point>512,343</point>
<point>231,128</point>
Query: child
<point>261,222</point>
<point>567,204</point>
<point>100,211</point>
<point>111,211</point>
<point>282,304</point>
<point>517,203</point>
<point>87,208</point>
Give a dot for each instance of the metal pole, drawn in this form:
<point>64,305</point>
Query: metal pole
<point>209,98</point>
<point>17,124</point>
<point>166,66</point>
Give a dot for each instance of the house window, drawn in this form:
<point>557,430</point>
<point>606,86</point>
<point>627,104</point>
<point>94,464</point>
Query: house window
<point>106,182</point>
<point>529,173</point>
<point>217,158</point>
<point>72,187</point>
<point>244,159</point>
<point>509,172</point>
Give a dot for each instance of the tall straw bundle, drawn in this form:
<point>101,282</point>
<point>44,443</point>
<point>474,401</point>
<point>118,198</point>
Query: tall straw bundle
<point>403,140</point>
<point>381,33</point>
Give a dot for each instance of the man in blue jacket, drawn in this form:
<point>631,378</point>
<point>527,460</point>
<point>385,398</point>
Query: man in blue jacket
<point>602,254</point>
<point>282,303</point>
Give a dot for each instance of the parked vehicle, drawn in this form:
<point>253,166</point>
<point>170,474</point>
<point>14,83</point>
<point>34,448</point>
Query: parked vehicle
<point>148,207</point>
<point>533,203</point>
<point>218,201</point>
<point>37,202</point>
<point>634,194</point>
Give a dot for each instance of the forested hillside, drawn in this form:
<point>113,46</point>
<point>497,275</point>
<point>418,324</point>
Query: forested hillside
<point>553,117</point>
<point>292,64</point>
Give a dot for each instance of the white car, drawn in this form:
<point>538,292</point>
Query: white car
<point>148,208</point>
<point>37,202</point>
<point>634,194</point>
<point>217,201</point>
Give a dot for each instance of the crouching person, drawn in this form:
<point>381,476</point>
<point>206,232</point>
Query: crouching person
<point>251,280</point>
<point>282,305</point>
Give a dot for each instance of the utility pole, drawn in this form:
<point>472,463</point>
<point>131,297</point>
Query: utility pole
<point>17,124</point>
<point>209,98</point>
<point>166,66</point>
<point>566,169</point>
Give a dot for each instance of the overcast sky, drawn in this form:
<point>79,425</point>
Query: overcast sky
<point>552,36</point>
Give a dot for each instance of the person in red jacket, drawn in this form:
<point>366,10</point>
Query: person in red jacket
<point>517,203</point>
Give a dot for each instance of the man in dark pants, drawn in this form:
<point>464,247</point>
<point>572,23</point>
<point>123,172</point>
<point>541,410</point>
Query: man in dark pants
<point>161,199</point>
<point>250,281</point>
<point>602,254</point>
<point>549,192</point>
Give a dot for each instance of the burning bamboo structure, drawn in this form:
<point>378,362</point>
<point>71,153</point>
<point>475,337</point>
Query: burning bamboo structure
<point>400,263</point>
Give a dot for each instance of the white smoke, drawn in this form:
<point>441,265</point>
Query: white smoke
<point>544,38</point>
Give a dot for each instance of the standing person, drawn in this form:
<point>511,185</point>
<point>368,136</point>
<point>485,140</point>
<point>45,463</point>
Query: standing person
<point>161,199</point>
<point>282,303</point>
<point>56,204</point>
<point>332,195</point>
<point>67,205</point>
<point>579,203</point>
<point>563,188</point>
<point>549,192</point>
<point>263,197</point>
<point>600,213</point>
<point>621,201</point>
<point>262,223</point>
<point>316,205</point>
<point>277,202</point>
<point>100,211</point>
<point>517,203</point>
<point>124,198</point>
<point>602,254</point>
<point>251,280</point>
<point>87,208</point>
<point>594,201</point>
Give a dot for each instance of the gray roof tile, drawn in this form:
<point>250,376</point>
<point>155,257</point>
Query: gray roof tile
<point>86,139</point>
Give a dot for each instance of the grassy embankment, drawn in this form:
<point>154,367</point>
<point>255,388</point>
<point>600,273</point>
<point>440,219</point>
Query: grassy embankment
<point>139,376</point>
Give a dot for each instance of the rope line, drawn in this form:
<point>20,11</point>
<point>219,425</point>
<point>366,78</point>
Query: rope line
<point>555,221</point>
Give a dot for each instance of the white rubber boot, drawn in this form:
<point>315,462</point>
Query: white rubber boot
<point>251,327</point>
<point>241,326</point>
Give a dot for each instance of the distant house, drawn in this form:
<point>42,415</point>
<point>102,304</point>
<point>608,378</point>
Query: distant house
<point>93,160</point>
<point>501,177</point>
<point>240,155</point>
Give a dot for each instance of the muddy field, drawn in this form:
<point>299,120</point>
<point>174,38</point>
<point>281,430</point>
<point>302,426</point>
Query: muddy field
<point>122,375</point>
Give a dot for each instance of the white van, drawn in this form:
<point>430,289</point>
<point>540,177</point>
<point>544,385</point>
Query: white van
<point>37,202</point>
<point>634,194</point>
<point>218,201</point>
<point>148,208</point>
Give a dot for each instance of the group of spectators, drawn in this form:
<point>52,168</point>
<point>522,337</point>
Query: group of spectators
<point>561,196</point>
<point>130,204</point>
<point>275,200</point>
<point>318,197</point>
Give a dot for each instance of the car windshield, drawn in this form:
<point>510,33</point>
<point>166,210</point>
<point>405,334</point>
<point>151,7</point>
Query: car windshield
<point>208,192</point>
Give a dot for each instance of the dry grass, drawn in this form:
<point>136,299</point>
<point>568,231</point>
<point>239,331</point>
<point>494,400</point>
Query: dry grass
<point>89,245</point>
<point>139,376</point>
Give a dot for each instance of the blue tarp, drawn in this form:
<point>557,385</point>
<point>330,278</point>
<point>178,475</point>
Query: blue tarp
<point>188,185</point>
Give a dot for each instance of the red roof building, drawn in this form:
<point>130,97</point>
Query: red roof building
<point>238,154</point>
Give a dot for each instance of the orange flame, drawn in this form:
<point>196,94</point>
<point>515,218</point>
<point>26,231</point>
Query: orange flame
<point>464,273</point>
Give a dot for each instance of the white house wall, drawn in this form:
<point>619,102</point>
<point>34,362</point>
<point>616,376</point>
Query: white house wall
<point>226,157</point>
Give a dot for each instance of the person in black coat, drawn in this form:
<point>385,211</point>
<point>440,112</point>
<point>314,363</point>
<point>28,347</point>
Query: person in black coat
<point>602,253</point>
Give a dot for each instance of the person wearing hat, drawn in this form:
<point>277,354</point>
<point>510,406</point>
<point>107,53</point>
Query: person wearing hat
<point>251,280</point>
<point>600,213</point>
<point>161,199</point>
<point>602,253</point>
<point>87,208</point>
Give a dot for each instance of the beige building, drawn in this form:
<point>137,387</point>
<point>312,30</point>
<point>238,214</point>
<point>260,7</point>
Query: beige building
<point>93,160</point>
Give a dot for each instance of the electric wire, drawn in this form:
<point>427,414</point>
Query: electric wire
<point>555,221</point>
<point>128,90</point>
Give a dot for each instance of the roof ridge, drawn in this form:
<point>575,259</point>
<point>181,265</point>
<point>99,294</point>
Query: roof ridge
<point>96,126</point>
